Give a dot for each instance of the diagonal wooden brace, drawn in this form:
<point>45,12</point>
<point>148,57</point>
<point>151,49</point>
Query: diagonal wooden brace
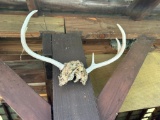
<point>17,94</point>
<point>113,94</point>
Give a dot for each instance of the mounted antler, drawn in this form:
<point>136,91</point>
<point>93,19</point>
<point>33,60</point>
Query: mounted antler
<point>29,51</point>
<point>72,69</point>
<point>118,55</point>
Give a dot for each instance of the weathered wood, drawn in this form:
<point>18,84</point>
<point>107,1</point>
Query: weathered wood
<point>141,8</point>
<point>32,6</point>
<point>47,44</point>
<point>31,76</point>
<point>116,89</point>
<point>14,48</point>
<point>146,76</point>
<point>105,27</point>
<point>90,27</point>
<point>25,64</point>
<point>18,95</point>
<point>88,6</point>
<point>11,25</point>
<point>39,89</point>
<point>31,71</point>
<point>72,101</point>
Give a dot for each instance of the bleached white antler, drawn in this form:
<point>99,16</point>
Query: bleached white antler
<point>118,55</point>
<point>73,70</point>
<point>29,51</point>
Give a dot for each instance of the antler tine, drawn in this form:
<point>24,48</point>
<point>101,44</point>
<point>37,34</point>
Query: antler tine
<point>118,45</point>
<point>29,51</point>
<point>119,53</point>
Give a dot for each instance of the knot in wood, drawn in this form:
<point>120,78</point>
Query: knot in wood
<point>73,71</point>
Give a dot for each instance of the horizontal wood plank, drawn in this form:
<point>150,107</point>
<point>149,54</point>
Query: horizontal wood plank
<point>105,27</point>
<point>31,71</point>
<point>11,25</point>
<point>10,46</point>
<point>91,27</point>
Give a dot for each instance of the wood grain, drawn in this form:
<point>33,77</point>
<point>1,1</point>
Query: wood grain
<point>72,101</point>
<point>105,27</point>
<point>11,25</point>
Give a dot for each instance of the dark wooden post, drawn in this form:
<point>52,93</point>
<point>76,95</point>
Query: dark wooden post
<point>73,101</point>
<point>113,94</point>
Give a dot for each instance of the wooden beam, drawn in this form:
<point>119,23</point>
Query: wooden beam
<point>105,27</point>
<point>11,25</point>
<point>141,8</point>
<point>32,6</point>
<point>31,71</point>
<point>90,27</point>
<point>72,101</point>
<point>113,94</point>
<point>18,95</point>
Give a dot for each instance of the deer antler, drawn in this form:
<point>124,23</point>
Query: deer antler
<point>72,69</point>
<point>118,55</point>
<point>29,51</point>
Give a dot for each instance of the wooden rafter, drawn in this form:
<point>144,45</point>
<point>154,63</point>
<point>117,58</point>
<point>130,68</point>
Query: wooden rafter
<point>72,101</point>
<point>113,94</point>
